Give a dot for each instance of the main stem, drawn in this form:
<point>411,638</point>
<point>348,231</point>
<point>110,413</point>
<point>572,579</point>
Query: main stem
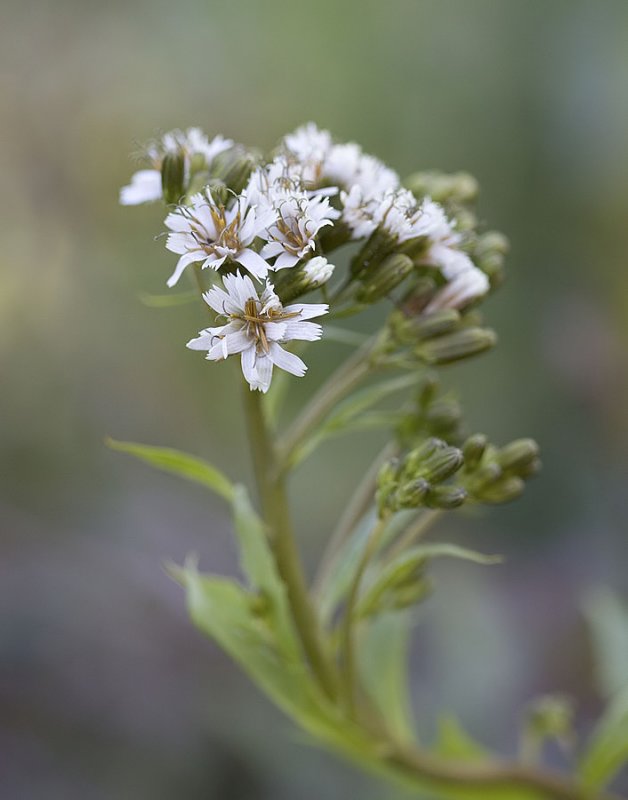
<point>273,498</point>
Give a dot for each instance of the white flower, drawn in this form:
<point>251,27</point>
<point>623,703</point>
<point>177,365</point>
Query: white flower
<point>146,185</point>
<point>463,289</point>
<point>318,271</point>
<point>255,326</point>
<point>293,233</point>
<point>309,146</point>
<point>347,166</point>
<point>209,233</point>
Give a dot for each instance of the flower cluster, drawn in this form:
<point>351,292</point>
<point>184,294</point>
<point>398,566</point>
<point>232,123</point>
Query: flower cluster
<point>274,221</point>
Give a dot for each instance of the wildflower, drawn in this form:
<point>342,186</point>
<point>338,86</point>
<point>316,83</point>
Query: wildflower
<point>467,286</point>
<point>255,327</point>
<point>207,232</point>
<point>293,233</point>
<point>146,184</point>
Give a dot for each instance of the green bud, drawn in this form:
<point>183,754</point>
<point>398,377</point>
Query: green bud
<point>459,187</point>
<point>376,247</point>
<point>412,494</point>
<point>428,391</point>
<point>387,480</point>
<point>457,346</point>
<point>503,491</point>
<point>436,323</point>
<point>518,455</point>
<point>380,279</point>
<point>530,469</point>
<point>473,450</point>
<point>443,416</point>
<point>415,458</point>
<point>173,176</point>
<point>445,497</point>
<point>442,465</point>
<point>238,174</point>
<point>411,594</point>
<point>492,242</point>
<point>198,163</point>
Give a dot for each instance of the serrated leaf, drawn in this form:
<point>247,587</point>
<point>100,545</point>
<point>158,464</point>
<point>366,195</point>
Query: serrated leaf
<point>175,462</point>
<point>607,749</point>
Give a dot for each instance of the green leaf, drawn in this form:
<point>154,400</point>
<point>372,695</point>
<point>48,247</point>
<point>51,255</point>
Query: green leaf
<point>454,742</point>
<point>607,749</point>
<point>177,463</point>
<point>403,567</point>
<point>383,664</point>
<point>259,567</point>
<point>607,617</point>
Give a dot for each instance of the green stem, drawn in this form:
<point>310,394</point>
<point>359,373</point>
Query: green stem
<point>348,625</point>
<point>414,531</point>
<point>358,505</point>
<point>342,381</point>
<point>272,492</point>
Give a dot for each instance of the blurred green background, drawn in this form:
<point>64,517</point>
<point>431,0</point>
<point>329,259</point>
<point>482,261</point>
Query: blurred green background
<point>106,691</point>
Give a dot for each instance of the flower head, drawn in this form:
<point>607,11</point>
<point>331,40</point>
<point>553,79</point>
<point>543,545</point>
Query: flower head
<point>146,183</point>
<point>293,233</point>
<point>207,232</point>
<point>255,327</point>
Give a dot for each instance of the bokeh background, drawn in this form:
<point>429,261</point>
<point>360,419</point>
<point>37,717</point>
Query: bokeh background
<point>106,690</point>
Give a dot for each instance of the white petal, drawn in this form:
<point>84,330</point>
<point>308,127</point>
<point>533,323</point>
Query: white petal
<point>287,361</point>
<point>263,373</point>
<point>252,262</point>
<point>248,365</point>
<point>305,331</point>
<point>206,339</point>
<point>307,310</point>
<point>182,263</point>
<point>145,186</point>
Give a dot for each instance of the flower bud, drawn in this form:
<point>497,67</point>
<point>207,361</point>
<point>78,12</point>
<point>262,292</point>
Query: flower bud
<point>173,176</point>
<point>445,497</point>
<point>376,247</point>
<point>457,346</point>
<point>443,418</point>
<point>442,465</point>
<point>412,494</point>
<point>411,594</point>
<point>518,455</point>
<point>387,479</point>
<point>292,283</point>
<point>437,323</point>
<point>459,187</point>
<point>415,458</point>
<point>380,279</point>
<point>503,491</point>
<point>473,450</point>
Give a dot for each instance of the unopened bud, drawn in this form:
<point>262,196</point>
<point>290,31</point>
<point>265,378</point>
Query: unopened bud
<point>442,465</point>
<point>518,455</point>
<point>380,279</point>
<point>387,479</point>
<point>238,174</point>
<point>411,594</point>
<point>473,450</point>
<point>502,491</point>
<point>459,187</point>
<point>415,458</point>
<point>436,323</point>
<point>376,248</point>
<point>445,497</point>
<point>412,494</point>
<point>292,283</point>
<point>173,176</point>
<point>457,346</point>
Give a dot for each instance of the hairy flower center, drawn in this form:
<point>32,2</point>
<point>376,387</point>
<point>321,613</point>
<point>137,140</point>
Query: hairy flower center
<point>256,320</point>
